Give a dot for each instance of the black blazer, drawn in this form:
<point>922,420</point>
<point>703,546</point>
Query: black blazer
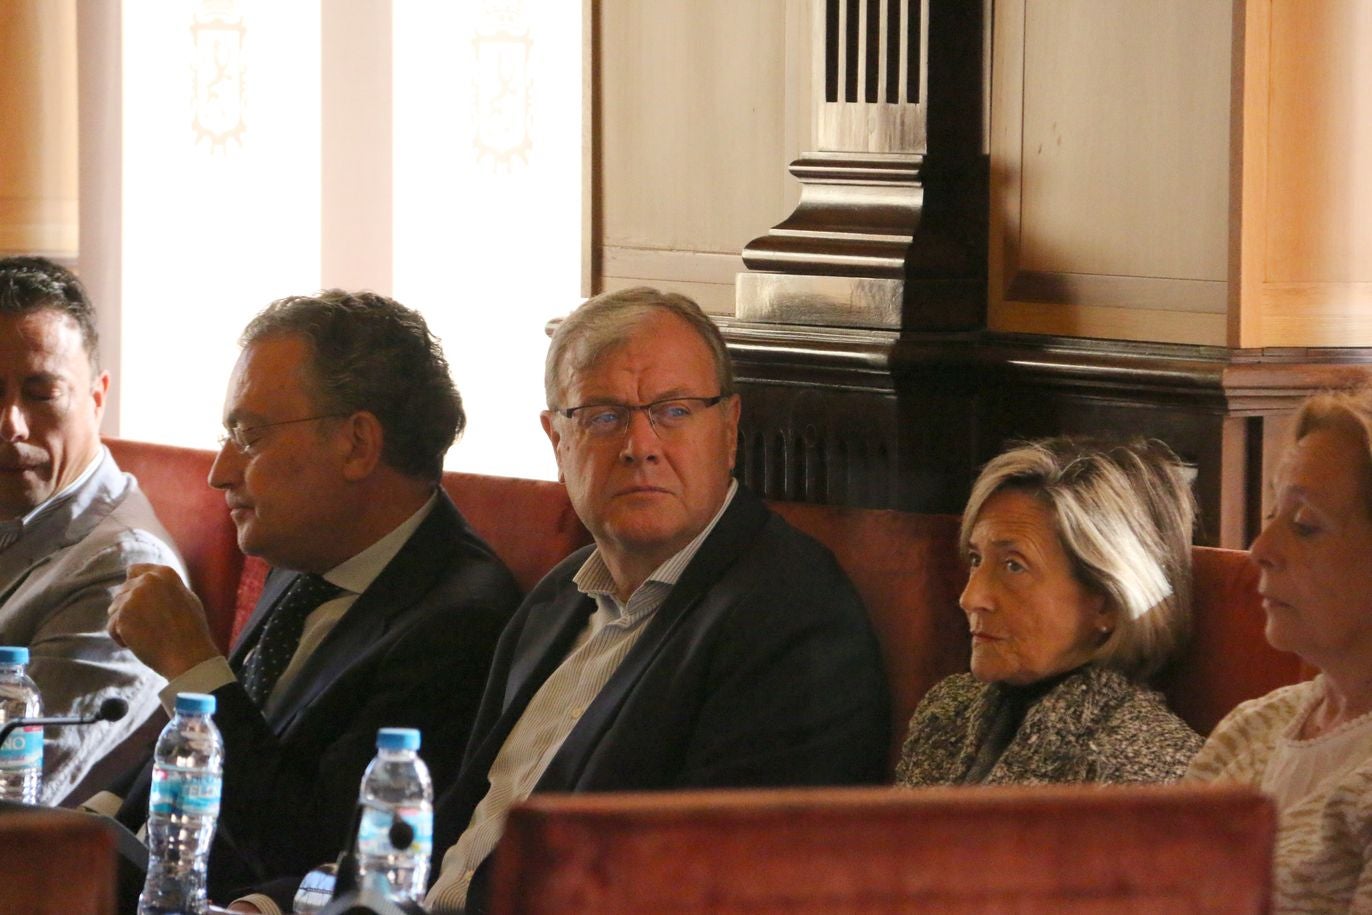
<point>412,651</point>
<point>760,669</point>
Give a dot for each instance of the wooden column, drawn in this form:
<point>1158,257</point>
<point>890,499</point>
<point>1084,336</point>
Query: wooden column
<point>1167,245</point>
<point>890,228</point>
<point>888,241</point>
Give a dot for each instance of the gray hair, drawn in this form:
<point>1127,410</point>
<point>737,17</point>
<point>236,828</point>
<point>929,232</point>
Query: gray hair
<point>1350,410</point>
<point>1124,515</point>
<point>372,353</point>
<point>606,321</point>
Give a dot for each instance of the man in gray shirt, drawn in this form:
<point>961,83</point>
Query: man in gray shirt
<point>71,523</point>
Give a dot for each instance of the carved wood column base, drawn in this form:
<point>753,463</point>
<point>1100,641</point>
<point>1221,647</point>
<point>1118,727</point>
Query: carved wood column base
<point>840,301</point>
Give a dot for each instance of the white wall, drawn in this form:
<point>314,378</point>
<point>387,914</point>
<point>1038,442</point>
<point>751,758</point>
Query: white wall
<point>208,197</point>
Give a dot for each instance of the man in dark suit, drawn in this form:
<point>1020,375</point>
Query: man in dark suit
<point>383,607</point>
<point>701,641</point>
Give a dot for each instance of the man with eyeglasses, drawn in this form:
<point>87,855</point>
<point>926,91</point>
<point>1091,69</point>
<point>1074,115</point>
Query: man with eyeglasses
<point>700,642</point>
<point>71,523</point>
<point>382,609</point>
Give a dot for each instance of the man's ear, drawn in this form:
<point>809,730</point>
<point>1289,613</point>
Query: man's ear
<point>100,390</point>
<point>554,436</point>
<point>362,439</point>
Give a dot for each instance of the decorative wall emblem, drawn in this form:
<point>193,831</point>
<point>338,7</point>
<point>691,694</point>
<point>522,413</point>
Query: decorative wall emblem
<point>218,32</point>
<point>502,46</point>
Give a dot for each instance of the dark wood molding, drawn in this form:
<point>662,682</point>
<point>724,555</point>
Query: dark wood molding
<point>904,420</point>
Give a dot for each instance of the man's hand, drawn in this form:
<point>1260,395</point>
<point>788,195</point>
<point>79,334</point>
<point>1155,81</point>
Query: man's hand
<point>160,621</point>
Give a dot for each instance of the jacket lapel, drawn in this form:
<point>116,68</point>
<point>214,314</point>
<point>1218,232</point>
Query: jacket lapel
<point>400,586</point>
<point>543,647</point>
<point>63,524</point>
<point>736,529</point>
<point>1053,741</point>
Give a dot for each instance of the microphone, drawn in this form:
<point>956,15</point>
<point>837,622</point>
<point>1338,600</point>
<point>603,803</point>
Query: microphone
<point>372,897</point>
<point>112,709</point>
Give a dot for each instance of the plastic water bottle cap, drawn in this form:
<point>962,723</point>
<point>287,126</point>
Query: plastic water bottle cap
<point>13,655</point>
<point>397,739</point>
<point>195,703</point>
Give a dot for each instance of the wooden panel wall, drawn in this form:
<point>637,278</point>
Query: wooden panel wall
<point>38,212</point>
<point>1110,158</point>
<point>701,104</point>
<point>1306,240</point>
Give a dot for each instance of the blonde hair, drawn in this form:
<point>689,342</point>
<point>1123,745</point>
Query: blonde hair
<point>1123,514</point>
<point>1349,410</point>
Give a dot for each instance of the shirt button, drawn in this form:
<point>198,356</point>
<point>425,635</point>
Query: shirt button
<point>576,711</point>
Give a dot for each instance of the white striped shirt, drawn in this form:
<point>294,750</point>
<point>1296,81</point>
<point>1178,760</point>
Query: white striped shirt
<point>557,707</point>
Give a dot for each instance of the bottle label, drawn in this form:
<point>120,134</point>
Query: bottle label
<point>177,791</point>
<point>374,834</point>
<point>22,749</point>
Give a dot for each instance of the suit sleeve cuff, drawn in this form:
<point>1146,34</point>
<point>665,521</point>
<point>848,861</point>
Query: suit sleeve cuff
<point>106,804</point>
<point>205,677</point>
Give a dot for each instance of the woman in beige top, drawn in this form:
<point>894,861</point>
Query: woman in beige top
<point>1310,745</point>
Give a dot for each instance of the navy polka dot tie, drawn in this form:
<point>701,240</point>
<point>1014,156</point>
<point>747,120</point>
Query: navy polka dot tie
<point>281,634</point>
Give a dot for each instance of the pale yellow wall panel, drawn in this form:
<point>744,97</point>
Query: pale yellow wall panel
<point>1319,191</point>
<point>38,126</point>
<point>1316,314</point>
<point>713,298</point>
<point>1206,329</point>
<point>695,130</point>
<point>1124,158</point>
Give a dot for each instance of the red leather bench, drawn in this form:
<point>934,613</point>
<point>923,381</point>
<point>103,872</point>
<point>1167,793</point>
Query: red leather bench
<point>904,565</point>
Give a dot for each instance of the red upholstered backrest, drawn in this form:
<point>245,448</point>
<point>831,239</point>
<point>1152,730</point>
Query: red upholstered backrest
<point>175,480</point>
<point>529,523</point>
<point>907,570</point>
<point>1033,851</point>
<point>56,861</point>
<point>905,566</point>
<point>1228,659</point>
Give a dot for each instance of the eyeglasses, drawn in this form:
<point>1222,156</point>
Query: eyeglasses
<point>239,434</point>
<point>609,420</point>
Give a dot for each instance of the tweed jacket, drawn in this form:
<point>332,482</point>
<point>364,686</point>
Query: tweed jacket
<point>1094,726</point>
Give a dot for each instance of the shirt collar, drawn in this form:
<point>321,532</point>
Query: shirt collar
<point>12,530</point>
<point>594,580</point>
<point>357,574</point>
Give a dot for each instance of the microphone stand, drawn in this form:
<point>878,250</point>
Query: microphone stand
<point>111,709</point>
<point>373,896</point>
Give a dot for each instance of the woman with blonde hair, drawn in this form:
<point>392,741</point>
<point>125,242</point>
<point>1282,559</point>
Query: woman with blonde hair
<point>1310,745</point>
<point>1079,589</point>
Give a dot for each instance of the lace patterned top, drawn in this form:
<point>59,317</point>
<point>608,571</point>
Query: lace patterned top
<point>1323,789</point>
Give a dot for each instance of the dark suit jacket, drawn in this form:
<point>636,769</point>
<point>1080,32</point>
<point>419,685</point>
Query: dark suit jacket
<point>412,651</point>
<point>759,669</point>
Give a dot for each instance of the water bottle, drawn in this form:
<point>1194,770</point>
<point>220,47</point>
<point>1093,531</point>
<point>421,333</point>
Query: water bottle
<point>21,755</point>
<point>187,776</point>
<point>396,784</point>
